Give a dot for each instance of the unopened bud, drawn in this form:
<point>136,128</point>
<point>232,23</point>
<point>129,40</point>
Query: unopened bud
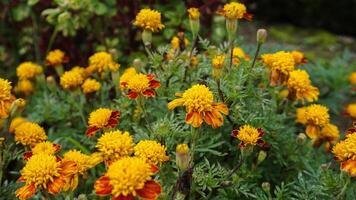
<point>261,36</point>
<point>82,197</point>
<point>266,186</point>
<point>301,138</point>
<point>51,83</point>
<point>147,37</point>
<point>182,156</point>
<point>138,64</point>
<point>261,157</point>
<point>218,65</point>
<point>17,106</point>
<point>231,28</point>
<point>194,21</point>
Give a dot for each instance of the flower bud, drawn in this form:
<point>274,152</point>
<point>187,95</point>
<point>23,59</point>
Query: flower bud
<point>147,37</point>
<point>231,27</point>
<point>261,157</point>
<point>182,156</point>
<point>51,83</point>
<point>82,197</point>
<point>266,186</point>
<point>218,66</point>
<point>194,21</point>
<point>301,138</point>
<point>17,106</point>
<point>261,36</point>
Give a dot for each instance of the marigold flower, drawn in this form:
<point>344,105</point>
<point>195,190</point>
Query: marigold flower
<point>128,178</point>
<point>299,57</point>
<point>237,54</point>
<point>45,147</point>
<point>115,145</point>
<point>102,118</point>
<point>249,135</point>
<point>43,171</point>
<point>28,70</point>
<point>199,103</point>
<point>6,98</point>
<point>71,80</point>
<point>24,86</point>
<point>182,156</point>
<point>280,64</point>
<point>300,88</point>
<point>329,134</point>
<point>175,42</point>
<point>182,148</point>
<point>193,13</point>
<point>351,110</point>
<point>235,10</point>
<point>56,57</point>
<point>300,115</point>
<point>218,61</point>
<point>80,70</point>
<point>17,121</point>
<point>152,151</point>
<point>352,78</point>
<point>194,61</point>
<point>126,76</point>
<point>29,134</point>
<point>149,20</point>
<point>316,117</point>
<point>90,86</point>
<point>103,61</point>
<point>141,85</point>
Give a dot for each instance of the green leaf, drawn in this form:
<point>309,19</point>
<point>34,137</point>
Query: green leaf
<point>32,2</point>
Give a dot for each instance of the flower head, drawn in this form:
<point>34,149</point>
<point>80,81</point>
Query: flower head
<point>24,86</point>
<point>248,135</point>
<point>115,145</point>
<point>71,80</point>
<point>28,70</point>
<point>45,147</point>
<point>300,115</point>
<point>234,10</point>
<point>126,76</point>
<point>300,88</point>
<point>238,53</point>
<point>56,57</point>
<point>176,42</point>
<point>351,110</point>
<point>199,103</point>
<point>80,70</point>
<point>15,123</point>
<point>182,148</point>
<point>218,61</point>
<point>149,20</point>
<point>141,85</point>
<point>29,134</point>
<point>128,178</point>
<point>316,117</point>
<point>102,118</point>
<point>352,78</point>
<point>90,86</point>
<point>43,171</point>
<point>152,151</point>
<point>103,61</point>
<point>193,13</point>
<point>299,57</point>
<point>6,98</point>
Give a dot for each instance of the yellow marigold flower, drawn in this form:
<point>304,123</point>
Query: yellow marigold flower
<point>103,61</point>
<point>28,70</point>
<point>175,42</point>
<point>29,134</point>
<point>24,86</point>
<point>194,13</point>
<point>45,147</point>
<point>237,54</point>
<point>128,178</point>
<point>234,10</point>
<point>218,61</point>
<point>300,115</point>
<point>299,57</point>
<point>102,118</point>
<point>352,78</point>
<point>71,80</point>
<point>195,61</point>
<point>56,57</point>
<point>351,110</point>
<point>280,65</point>
<point>316,117</point>
<point>141,85</point>
<point>126,76</point>
<point>300,88</point>
<point>345,152</point>
<point>6,98</point>
<point>152,151</point>
<point>90,86</point>
<point>80,70</point>
<point>115,145</point>
<point>15,123</point>
<point>149,20</point>
<point>248,135</point>
<point>182,148</point>
<point>45,172</point>
<point>199,103</point>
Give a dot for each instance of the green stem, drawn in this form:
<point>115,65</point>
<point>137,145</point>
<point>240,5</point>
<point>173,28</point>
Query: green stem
<point>141,103</point>
<point>148,50</point>
<point>256,54</point>
<point>231,44</point>
<point>51,40</point>
<point>190,58</point>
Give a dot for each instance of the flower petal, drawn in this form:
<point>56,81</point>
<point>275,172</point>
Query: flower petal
<point>194,118</point>
<point>154,84</point>
<point>26,192</point>
<point>349,166</point>
<point>121,197</point>
<point>175,103</point>
<point>312,131</point>
<point>102,186</point>
<point>151,190</point>
<point>56,185</point>
<point>149,93</point>
<point>91,131</point>
<point>132,95</point>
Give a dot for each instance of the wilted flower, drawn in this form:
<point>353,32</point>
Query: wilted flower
<point>200,106</point>
<point>43,171</point>
<point>141,85</point>
<point>29,134</point>
<point>351,110</point>
<point>24,86</point>
<point>128,178</point>
<point>6,98</point>
<point>90,86</point>
<point>249,135</point>
<point>151,151</point>
<point>300,88</point>
<point>102,118</point>
<point>299,57</point>
<point>235,10</point>
<point>71,80</point>
<point>28,70</point>
<point>102,62</point>
<point>56,57</point>
<point>148,19</point>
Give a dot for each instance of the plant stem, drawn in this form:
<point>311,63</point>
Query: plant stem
<point>141,103</point>
<point>231,44</point>
<point>256,54</point>
<point>51,40</point>
<point>148,50</point>
<point>190,59</point>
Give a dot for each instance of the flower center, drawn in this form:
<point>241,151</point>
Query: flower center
<point>198,98</point>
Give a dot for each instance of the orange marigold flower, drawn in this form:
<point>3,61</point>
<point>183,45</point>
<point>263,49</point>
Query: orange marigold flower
<point>351,110</point>
<point>234,10</point>
<point>127,179</point>
<point>141,85</point>
<point>6,98</point>
<point>126,76</point>
<point>28,70</point>
<point>300,88</point>
<point>152,151</point>
<point>102,118</point>
<point>299,57</point>
<point>17,121</point>
<point>56,57</point>
<point>24,86</point>
<point>249,135</point>
<point>200,106</point>
<point>149,20</point>
<point>44,172</point>
<point>29,134</point>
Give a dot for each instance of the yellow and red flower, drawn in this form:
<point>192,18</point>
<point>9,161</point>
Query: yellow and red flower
<point>200,106</point>
<point>6,98</point>
<point>102,118</point>
<point>249,136</point>
<point>141,85</point>
<point>299,57</point>
<point>127,179</point>
<point>234,10</point>
<point>151,151</point>
<point>46,147</point>
<point>148,19</point>
<point>56,57</point>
